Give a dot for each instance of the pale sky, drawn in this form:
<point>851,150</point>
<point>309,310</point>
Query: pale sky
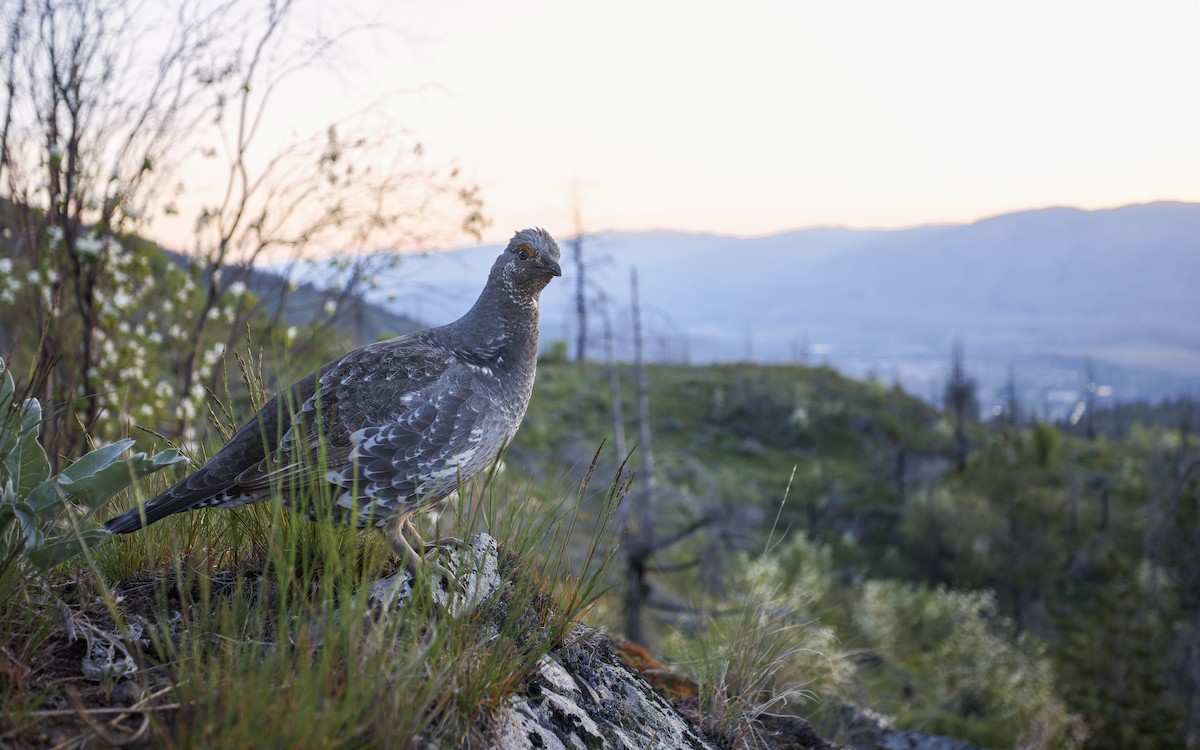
<point>760,116</point>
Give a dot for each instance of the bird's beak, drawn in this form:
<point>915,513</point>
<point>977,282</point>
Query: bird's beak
<point>553,268</point>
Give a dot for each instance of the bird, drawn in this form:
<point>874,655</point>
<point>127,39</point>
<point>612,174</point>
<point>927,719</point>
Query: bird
<point>393,427</point>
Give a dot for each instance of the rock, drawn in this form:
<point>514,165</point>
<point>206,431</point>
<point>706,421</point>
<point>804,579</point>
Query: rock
<point>919,741</point>
<point>874,731</point>
<point>462,577</point>
<point>584,697</point>
<point>583,694</point>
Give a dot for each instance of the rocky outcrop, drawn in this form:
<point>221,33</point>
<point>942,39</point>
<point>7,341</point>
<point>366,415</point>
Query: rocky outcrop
<point>584,696</point>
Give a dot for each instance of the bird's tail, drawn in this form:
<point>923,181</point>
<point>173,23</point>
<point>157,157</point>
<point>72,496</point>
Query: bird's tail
<point>168,503</point>
<point>132,520</point>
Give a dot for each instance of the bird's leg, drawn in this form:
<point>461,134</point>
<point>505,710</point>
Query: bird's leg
<point>416,562</point>
<point>446,541</point>
<point>412,560</point>
<point>424,546</point>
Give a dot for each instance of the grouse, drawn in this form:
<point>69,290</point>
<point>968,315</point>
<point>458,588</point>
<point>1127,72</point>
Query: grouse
<point>394,426</point>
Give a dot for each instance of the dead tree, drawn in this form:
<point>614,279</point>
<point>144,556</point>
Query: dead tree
<point>1089,409</point>
<point>581,304</point>
<point>640,547</point>
<point>614,385</point>
<point>644,545</point>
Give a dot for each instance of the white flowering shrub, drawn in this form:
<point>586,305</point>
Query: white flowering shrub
<point>143,328</point>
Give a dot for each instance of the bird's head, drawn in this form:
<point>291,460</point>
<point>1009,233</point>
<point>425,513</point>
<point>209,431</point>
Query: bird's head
<point>529,261</point>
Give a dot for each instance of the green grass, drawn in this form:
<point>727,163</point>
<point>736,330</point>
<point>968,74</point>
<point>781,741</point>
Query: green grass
<point>254,626</point>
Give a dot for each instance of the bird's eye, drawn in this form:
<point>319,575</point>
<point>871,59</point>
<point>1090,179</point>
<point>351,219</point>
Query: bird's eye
<point>523,252</point>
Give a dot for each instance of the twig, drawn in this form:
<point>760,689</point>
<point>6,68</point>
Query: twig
<point>107,710</point>
<point>86,716</point>
<point>77,739</point>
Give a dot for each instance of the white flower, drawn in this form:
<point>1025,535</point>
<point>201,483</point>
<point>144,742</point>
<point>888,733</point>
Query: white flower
<point>5,265</point>
<point>330,307</point>
<point>212,356</point>
<point>291,333</point>
<point>237,288</point>
<point>88,247</point>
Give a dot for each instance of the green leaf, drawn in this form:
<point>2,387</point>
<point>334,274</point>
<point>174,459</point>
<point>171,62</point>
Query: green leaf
<point>43,496</point>
<point>26,462</point>
<point>8,414</point>
<point>58,549</point>
<point>31,525</point>
<point>6,389</point>
<point>99,475</point>
<point>8,501</point>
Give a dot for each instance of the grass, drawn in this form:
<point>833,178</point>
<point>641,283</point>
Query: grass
<point>756,658</point>
<point>253,627</point>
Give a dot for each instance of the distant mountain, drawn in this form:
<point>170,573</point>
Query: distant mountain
<point>1039,291</point>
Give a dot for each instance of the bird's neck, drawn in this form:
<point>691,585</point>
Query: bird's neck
<point>502,324</point>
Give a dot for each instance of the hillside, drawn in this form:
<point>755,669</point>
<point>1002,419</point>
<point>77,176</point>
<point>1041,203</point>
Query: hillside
<point>1045,588</point>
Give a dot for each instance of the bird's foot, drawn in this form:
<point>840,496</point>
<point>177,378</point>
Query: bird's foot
<point>433,557</point>
<point>446,541</point>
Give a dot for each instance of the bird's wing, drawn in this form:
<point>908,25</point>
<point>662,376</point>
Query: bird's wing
<point>449,433</point>
<point>381,417</point>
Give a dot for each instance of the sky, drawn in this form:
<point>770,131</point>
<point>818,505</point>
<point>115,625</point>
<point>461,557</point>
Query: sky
<point>761,116</point>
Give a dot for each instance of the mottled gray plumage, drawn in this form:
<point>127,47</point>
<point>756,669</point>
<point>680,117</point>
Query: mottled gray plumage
<point>394,426</point>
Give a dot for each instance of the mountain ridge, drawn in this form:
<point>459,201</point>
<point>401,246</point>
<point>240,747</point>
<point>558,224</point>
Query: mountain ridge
<point>1033,290</point>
